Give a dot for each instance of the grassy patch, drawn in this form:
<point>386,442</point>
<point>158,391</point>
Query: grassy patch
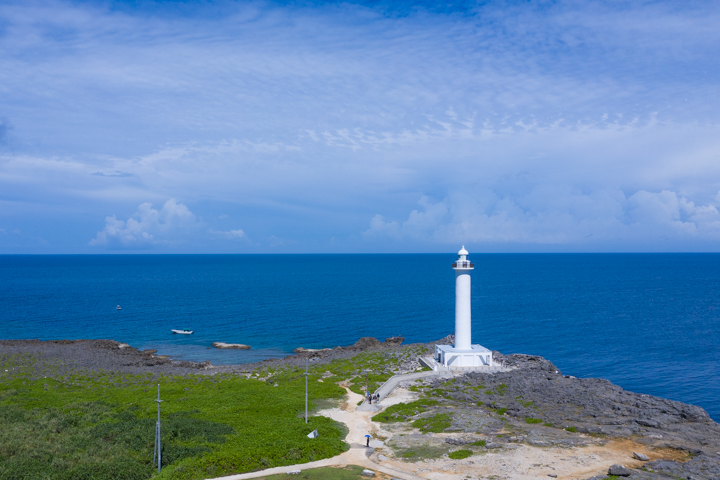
<point>501,411</point>
<point>547,424</point>
<point>349,472</point>
<point>421,452</point>
<point>401,411</point>
<point>571,429</point>
<point>479,443</point>
<point>460,454</point>
<point>435,424</point>
<point>532,420</point>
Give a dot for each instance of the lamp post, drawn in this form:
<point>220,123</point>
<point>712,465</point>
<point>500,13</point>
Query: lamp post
<point>366,385</point>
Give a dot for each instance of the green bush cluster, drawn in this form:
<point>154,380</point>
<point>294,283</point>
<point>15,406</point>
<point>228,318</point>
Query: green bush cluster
<point>401,411</point>
<point>435,424</point>
<point>460,454</point>
<point>479,443</point>
<point>532,420</point>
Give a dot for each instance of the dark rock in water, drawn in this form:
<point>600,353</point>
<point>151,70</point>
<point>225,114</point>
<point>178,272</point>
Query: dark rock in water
<point>641,456</point>
<point>395,340</point>
<point>619,470</point>
<point>236,346</point>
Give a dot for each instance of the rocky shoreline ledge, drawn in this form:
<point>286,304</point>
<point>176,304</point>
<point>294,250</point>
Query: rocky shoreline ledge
<point>531,404</point>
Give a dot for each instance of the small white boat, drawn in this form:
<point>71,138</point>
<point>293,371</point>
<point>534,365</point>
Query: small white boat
<point>118,308</point>
<point>182,332</point>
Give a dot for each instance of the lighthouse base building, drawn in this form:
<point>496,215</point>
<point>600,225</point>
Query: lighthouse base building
<point>463,355</point>
<point>456,359</point>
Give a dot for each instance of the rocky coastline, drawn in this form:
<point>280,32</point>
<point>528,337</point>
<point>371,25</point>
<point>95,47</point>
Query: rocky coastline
<point>563,410</point>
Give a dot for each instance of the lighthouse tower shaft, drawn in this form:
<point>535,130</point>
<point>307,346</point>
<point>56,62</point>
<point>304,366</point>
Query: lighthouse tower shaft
<point>463,324</point>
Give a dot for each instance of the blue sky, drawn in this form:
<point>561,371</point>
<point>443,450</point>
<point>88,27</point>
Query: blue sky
<point>263,127</point>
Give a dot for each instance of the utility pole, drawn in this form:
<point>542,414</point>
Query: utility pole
<point>306,387</point>
<point>157,452</point>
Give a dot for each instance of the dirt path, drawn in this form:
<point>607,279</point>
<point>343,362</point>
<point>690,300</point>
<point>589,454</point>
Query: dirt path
<point>359,424</point>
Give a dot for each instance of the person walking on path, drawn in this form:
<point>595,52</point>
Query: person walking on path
<point>367,442</point>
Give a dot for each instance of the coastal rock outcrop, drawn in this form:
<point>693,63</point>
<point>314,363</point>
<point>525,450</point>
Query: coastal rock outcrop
<point>311,350</point>
<point>619,471</point>
<point>397,340</point>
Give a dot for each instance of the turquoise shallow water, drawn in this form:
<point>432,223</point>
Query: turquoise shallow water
<point>648,322</point>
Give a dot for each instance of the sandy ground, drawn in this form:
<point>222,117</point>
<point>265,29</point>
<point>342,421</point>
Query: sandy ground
<point>518,461</point>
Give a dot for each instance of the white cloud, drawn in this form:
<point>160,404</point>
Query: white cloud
<point>644,219</point>
<point>147,226</point>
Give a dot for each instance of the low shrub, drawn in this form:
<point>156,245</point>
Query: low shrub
<point>400,411</point>
<point>460,454</point>
<point>532,420</point>
<point>434,424</point>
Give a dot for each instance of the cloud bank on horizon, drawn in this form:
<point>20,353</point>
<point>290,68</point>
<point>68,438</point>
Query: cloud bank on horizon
<point>346,127</point>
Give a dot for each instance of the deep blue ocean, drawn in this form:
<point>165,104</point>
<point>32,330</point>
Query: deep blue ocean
<point>647,322</point>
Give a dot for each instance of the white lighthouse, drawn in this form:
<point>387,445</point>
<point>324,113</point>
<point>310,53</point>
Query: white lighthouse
<point>463,355</point>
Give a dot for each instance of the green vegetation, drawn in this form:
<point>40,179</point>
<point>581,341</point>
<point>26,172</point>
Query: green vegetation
<point>479,443</point>
<point>460,454</point>
<point>60,423</point>
<point>501,411</point>
<point>571,429</point>
<point>532,420</point>
<point>547,424</point>
<point>435,424</point>
<point>401,411</point>
<point>369,369</point>
<point>84,424</point>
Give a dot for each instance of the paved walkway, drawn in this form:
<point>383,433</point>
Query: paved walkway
<point>359,424</point>
<point>395,380</point>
